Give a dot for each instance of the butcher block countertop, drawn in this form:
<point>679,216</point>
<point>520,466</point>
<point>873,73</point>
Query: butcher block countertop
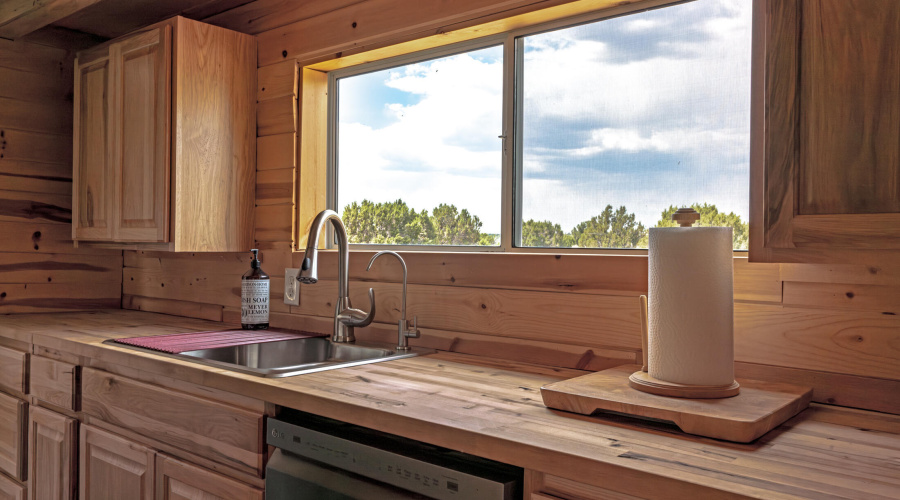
<point>493,409</point>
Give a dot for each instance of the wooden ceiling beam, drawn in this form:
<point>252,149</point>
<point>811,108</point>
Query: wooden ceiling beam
<point>21,17</point>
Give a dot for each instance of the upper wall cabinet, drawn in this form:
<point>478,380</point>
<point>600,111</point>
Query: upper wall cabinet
<point>165,139</point>
<point>826,174</point>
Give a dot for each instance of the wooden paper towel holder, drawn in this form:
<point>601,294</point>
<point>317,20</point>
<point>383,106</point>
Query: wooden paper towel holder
<point>643,381</point>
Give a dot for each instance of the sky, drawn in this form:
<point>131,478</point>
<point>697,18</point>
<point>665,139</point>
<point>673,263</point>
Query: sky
<point>646,110</point>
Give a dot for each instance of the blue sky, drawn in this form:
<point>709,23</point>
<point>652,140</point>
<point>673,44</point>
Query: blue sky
<point>644,110</point>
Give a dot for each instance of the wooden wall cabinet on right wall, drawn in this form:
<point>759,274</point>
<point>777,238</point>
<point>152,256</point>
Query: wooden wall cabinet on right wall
<point>165,139</point>
<point>825,161</point>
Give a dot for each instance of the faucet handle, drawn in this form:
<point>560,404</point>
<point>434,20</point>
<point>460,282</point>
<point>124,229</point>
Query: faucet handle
<point>356,317</point>
<point>413,333</point>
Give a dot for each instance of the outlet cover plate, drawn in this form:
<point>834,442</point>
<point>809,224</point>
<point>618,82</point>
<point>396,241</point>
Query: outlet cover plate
<point>291,287</point>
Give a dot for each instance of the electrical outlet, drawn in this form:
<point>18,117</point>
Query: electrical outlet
<point>291,287</point>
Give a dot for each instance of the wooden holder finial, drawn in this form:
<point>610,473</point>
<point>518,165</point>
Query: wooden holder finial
<point>685,217</point>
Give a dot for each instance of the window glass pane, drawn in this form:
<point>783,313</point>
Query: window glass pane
<point>419,158</point>
<point>626,118</point>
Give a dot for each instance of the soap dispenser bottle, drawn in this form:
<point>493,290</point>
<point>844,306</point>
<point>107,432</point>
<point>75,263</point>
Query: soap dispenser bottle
<point>255,296</point>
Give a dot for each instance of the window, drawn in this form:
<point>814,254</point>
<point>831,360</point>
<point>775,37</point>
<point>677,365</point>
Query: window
<point>418,154</point>
<point>609,125</point>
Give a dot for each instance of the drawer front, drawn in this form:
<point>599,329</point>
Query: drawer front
<point>216,431</point>
<point>176,480</point>
<point>13,415</point>
<point>553,487</point>
<point>12,370</point>
<point>54,382</point>
<point>11,490</point>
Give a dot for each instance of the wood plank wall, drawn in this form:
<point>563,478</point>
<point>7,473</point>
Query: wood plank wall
<point>40,270</point>
<point>832,327</point>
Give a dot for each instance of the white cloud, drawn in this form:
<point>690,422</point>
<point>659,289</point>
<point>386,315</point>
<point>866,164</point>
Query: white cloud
<point>426,157</point>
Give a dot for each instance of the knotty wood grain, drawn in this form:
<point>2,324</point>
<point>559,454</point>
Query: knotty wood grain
<point>40,270</point>
<point>875,298</point>
<point>848,342</point>
<point>278,80</point>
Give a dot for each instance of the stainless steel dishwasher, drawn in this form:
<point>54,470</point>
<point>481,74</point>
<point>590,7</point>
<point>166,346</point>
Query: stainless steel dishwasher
<point>323,459</point>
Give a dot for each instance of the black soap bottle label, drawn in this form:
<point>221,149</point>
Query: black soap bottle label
<point>255,296</point>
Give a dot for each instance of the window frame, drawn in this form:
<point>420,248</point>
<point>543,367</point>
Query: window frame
<point>510,32</point>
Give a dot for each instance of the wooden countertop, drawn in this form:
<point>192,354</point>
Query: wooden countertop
<point>493,409</point>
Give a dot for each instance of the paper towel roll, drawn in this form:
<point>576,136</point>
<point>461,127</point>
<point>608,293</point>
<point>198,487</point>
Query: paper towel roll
<point>691,305</point>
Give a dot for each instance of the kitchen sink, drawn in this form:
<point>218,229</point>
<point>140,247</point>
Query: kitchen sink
<point>290,357</point>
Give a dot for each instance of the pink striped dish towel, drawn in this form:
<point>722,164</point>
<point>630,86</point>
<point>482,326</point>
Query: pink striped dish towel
<point>194,341</point>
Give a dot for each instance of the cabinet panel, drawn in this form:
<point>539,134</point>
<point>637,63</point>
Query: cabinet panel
<point>113,467</point>
<point>12,369</point>
<point>141,140</point>
<point>92,176</point>
<point>10,490</point>
<point>177,480</point>
<point>51,458</point>
<point>54,382</point>
<point>826,161</point>
<point>12,436</point>
<point>850,107</point>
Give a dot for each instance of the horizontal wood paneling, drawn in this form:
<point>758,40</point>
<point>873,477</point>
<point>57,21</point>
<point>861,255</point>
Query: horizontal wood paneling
<point>277,116</point>
<point>211,312</point>
<point>36,146</point>
<point>854,343</point>
<point>42,237</point>
<point>74,269</point>
<point>875,298</point>
<point>40,269</point>
<point>277,80</point>
<point>275,187</point>
<point>276,151</point>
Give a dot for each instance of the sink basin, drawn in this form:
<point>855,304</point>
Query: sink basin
<point>291,357</point>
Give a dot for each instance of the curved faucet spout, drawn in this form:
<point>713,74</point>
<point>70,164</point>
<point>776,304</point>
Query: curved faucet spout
<point>345,317</point>
<point>404,331</point>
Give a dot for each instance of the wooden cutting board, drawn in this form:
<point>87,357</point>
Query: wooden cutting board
<point>759,408</point>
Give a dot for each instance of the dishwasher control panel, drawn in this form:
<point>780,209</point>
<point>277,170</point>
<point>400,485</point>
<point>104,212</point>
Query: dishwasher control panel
<point>411,473</point>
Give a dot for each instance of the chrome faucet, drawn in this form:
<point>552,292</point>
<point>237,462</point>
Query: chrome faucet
<point>345,317</point>
<point>404,332</point>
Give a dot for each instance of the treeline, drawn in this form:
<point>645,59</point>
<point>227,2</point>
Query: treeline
<point>394,223</point>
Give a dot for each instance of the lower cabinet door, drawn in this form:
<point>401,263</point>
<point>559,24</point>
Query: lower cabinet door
<point>10,490</point>
<point>51,455</point>
<point>13,415</point>
<point>177,480</point>
<point>112,467</point>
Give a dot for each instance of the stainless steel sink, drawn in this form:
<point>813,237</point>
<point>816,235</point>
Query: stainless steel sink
<point>290,357</point>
